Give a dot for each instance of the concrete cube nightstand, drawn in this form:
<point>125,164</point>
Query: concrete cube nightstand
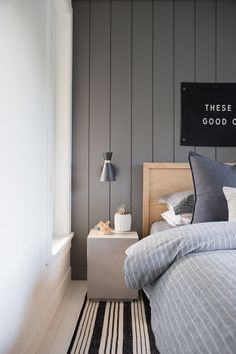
<point>106,255</point>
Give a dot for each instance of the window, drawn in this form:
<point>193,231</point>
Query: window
<point>59,125</point>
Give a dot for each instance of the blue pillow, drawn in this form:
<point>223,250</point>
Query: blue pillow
<point>209,177</point>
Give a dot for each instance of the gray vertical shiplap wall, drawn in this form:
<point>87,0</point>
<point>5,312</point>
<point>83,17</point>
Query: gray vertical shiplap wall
<point>120,113</point>
<point>163,81</point>
<point>99,107</point>
<point>184,69</point>
<point>129,60</point>
<point>226,57</point>
<point>205,47</point>
<point>142,111</point>
<point>80,135</point>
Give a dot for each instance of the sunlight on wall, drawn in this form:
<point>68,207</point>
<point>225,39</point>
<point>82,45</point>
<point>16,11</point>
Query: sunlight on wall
<point>27,285</point>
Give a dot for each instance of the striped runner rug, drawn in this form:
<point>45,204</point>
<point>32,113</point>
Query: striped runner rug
<point>112,327</point>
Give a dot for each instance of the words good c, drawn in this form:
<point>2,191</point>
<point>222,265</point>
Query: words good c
<point>218,121</point>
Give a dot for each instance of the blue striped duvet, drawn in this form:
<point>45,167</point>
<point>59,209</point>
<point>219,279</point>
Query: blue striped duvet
<point>189,275</point>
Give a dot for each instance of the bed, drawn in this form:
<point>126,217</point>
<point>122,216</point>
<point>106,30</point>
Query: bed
<point>188,273</point>
<point>160,179</point>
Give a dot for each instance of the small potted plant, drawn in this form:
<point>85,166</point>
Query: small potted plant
<point>122,219</point>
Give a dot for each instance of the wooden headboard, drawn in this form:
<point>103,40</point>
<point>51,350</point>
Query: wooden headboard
<point>160,179</point>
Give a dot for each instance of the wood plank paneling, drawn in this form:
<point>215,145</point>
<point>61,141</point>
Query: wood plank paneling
<point>99,108</point>
<point>183,65</point>
<point>141,101</point>
<point>80,131</point>
<point>120,101</point>
<point>205,52</point>
<point>226,57</point>
<point>129,60</point>
<point>163,142</point>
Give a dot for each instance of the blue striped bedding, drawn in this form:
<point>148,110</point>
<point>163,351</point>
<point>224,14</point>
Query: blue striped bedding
<point>189,275</point>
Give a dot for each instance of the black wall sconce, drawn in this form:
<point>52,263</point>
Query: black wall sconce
<point>108,170</point>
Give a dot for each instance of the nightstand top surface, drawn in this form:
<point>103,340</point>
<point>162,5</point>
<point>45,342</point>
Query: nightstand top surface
<point>129,234</point>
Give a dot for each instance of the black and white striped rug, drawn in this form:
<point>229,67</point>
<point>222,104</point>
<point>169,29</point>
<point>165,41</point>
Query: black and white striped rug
<point>114,327</point>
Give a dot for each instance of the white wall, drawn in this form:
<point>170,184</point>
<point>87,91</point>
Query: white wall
<point>29,290</point>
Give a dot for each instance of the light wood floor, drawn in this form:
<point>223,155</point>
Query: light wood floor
<point>60,331</point>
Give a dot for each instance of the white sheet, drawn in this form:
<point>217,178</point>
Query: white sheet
<point>158,226</point>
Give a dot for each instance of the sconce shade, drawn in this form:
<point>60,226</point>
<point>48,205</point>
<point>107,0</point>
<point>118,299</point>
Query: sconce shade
<point>108,170</point>
<point>107,156</point>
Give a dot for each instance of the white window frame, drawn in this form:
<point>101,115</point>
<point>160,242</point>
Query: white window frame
<point>59,126</point>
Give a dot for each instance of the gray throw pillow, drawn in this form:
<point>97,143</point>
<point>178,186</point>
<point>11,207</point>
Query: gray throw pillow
<point>179,202</point>
<point>209,177</point>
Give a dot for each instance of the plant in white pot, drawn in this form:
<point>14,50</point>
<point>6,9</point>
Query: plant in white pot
<point>122,219</point>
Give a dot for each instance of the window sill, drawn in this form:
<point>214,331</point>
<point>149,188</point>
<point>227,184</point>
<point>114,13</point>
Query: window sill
<point>58,247</point>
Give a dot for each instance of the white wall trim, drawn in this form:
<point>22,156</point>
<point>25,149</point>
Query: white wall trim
<point>69,6</point>
<point>43,323</point>
<point>63,118</point>
<point>63,6</point>
<point>70,73</point>
<point>60,9</point>
<point>59,247</point>
<point>49,168</point>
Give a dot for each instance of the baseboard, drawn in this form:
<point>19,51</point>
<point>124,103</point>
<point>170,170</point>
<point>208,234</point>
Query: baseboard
<point>41,328</point>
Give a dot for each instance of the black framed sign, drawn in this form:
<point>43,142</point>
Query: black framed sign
<point>208,114</point>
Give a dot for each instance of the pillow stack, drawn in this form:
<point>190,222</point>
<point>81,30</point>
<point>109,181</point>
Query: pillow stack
<point>180,206</point>
<point>214,196</point>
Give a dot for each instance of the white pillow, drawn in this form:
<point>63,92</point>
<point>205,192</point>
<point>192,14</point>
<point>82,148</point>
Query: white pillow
<point>230,195</point>
<point>176,220</point>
